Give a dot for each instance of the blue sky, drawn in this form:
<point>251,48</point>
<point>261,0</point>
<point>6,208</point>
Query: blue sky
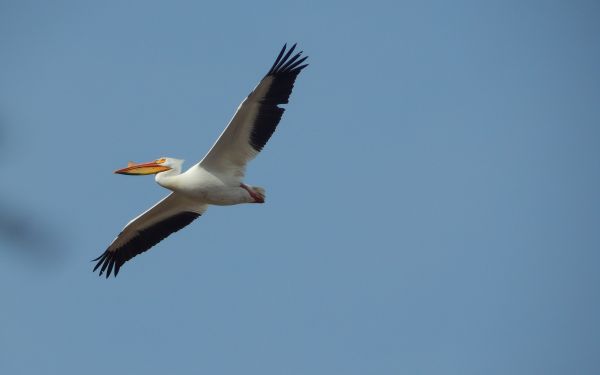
<point>432,191</point>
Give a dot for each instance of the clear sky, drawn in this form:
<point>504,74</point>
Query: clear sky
<point>433,199</point>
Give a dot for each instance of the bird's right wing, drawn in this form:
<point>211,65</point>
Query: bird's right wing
<point>140,234</point>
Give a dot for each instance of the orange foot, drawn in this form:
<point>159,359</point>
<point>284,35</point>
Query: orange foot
<point>258,194</point>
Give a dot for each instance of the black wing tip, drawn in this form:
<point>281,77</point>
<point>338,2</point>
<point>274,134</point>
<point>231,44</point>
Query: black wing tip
<point>285,65</point>
<point>111,261</point>
<point>106,262</point>
<point>283,74</point>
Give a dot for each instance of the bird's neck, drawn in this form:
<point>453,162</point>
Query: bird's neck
<point>168,179</point>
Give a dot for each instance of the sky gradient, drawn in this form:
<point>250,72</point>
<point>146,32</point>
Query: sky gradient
<point>432,203</point>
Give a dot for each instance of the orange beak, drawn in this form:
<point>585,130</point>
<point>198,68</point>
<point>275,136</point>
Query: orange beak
<point>143,168</point>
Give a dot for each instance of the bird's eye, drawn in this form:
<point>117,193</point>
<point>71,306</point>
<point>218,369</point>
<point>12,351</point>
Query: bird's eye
<point>160,161</point>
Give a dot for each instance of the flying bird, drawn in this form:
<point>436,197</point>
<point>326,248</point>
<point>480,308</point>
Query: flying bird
<point>218,178</point>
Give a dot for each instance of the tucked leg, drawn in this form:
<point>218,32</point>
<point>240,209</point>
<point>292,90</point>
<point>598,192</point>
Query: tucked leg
<point>257,193</point>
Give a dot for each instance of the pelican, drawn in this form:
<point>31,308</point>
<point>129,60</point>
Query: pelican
<point>218,178</point>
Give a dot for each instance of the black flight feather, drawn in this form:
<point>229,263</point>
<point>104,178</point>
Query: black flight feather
<point>283,73</point>
<point>142,241</point>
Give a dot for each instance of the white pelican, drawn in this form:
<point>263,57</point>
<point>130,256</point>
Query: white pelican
<point>217,179</point>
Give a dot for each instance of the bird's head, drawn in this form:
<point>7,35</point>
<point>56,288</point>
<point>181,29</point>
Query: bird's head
<point>157,166</point>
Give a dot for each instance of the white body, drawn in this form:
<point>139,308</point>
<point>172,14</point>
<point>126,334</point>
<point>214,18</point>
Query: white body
<point>217,179</point>
<point>203,186</point>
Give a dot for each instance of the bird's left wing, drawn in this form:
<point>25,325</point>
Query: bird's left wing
<point>140,234</point>
<point>256,118</point>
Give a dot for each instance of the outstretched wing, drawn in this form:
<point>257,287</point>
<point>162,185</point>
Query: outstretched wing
<point>140,234</point>
<point>256,118</point>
